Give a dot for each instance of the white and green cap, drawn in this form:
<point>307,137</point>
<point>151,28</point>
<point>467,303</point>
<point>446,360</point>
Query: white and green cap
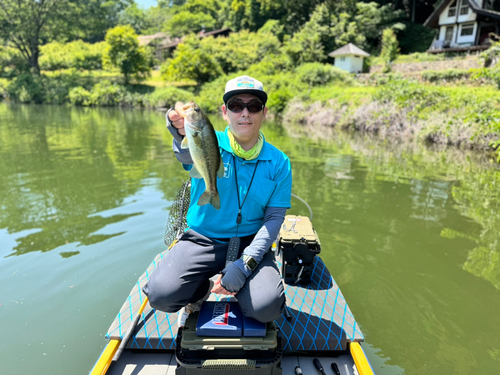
<point>245,85</point>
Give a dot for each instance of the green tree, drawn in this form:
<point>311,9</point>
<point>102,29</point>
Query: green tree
<point>123,52</point>
<point>25,24</point>
<point>390,48</point>
<point>205,59</point>
<point>372,19</point>
<point>306,45</point>
<point>194,16</point>
<point>135,17</point>
<point>186,22</point>
<point>191,62</point>
<point>22,23</point>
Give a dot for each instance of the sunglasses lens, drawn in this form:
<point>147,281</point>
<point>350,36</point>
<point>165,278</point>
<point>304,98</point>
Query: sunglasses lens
<point>235,106</point>
<point>254,106</point>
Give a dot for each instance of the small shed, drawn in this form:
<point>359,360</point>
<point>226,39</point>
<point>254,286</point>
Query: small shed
<point>349,57</point>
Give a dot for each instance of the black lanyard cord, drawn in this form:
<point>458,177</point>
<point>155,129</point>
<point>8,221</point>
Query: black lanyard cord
<point>239,218</point>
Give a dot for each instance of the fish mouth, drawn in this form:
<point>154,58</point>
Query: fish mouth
<point>192,126</point>
<point>187,105</point>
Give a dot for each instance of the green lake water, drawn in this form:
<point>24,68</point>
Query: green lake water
<point>411,236</point>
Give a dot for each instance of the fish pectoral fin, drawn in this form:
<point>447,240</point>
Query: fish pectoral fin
<point>220,172</point>
<point>184,143</point>
<point>194,173</point>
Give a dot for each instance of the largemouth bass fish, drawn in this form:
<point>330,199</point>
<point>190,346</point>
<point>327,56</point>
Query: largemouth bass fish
<point>204,149</point>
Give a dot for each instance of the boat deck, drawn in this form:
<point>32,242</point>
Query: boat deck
<point>320,319</point>
<point>141,363</point>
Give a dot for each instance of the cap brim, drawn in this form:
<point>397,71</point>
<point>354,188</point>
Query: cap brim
<point>259,94</point>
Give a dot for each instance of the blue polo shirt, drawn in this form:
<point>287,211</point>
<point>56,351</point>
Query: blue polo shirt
<point>271,187</point>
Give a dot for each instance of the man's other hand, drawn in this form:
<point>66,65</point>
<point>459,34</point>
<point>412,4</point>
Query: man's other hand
<point>219,289</point>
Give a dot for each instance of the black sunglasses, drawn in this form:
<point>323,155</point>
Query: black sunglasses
<point>253,106</point>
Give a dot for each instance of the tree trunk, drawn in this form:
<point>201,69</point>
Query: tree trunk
<point>35,54</point>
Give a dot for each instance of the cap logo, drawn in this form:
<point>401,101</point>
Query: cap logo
<point>245,82</point>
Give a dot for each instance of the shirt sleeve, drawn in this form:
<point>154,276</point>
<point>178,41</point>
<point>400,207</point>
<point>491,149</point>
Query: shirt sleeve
<point>182,154</point>
<point>267,234</point>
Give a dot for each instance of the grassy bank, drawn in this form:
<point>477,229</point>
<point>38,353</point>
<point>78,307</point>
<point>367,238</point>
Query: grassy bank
<point>460,116</point>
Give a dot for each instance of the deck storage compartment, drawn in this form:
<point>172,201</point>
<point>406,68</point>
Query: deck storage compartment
<point>299,244</point>
<point>210,355</point>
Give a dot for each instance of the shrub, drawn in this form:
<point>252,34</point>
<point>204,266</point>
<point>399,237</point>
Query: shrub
<point>26,89</point>
<point>281,88</point>
<point>103,93</point>
<point>445,75</point>
<point>80,96</point>
<point>191,62</point>
<point>167,97</point>
<point>203,60</point>
<point>271,64</point>
<point>492,54</point>
<point>408,94</point>
<point>210,95</point>
<point>390,48</point>
<point>320,74</point>
<point>106,93</point>
<point>123,52</point>
<point>12,62</point>
<point>76,54</point>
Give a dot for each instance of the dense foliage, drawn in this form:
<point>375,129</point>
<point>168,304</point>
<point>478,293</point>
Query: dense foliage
<point>76,54</point>
<point>27,23</point>
<point>123,52</point>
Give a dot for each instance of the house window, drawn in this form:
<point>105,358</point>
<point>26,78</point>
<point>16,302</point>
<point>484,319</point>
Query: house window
<point>467,30</point>
<point>448,36</point>
<point>342,58</point>
<point>464,7</point>
<point>452,11</point>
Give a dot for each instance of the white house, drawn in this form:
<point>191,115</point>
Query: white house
<point>464,24</point>
<point>349,57</point>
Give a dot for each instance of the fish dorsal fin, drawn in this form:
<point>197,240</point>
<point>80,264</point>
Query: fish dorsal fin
<point>195,173</point>
<point>221,171</point>
<point>184,143</point>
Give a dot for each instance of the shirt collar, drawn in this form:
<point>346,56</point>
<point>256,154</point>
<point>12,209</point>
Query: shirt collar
<point>265,153</point>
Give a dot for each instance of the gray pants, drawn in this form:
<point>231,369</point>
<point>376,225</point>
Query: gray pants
<point>183,275</point>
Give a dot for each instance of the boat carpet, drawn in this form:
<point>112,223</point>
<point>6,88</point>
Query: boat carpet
<point>319,319</point>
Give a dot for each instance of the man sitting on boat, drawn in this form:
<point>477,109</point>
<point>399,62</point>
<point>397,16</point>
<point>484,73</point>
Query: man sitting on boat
<point>255,193</point>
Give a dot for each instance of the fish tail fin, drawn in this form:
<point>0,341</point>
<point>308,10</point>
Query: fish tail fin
<point>210,196</point>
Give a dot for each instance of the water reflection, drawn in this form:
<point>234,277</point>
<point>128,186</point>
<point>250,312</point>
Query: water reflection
<point>61,165</point>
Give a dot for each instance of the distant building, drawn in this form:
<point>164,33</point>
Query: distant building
<point>349,57</point>
<point>145,40</point>
<point>215,33</point>
<point>464,25</point>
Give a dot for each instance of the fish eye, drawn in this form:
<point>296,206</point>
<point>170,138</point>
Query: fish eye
<point>197,109</point>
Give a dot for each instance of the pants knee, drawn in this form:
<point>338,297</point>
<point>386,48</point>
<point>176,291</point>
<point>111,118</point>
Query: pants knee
<point>160,299</point>
<point>265,311</point>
